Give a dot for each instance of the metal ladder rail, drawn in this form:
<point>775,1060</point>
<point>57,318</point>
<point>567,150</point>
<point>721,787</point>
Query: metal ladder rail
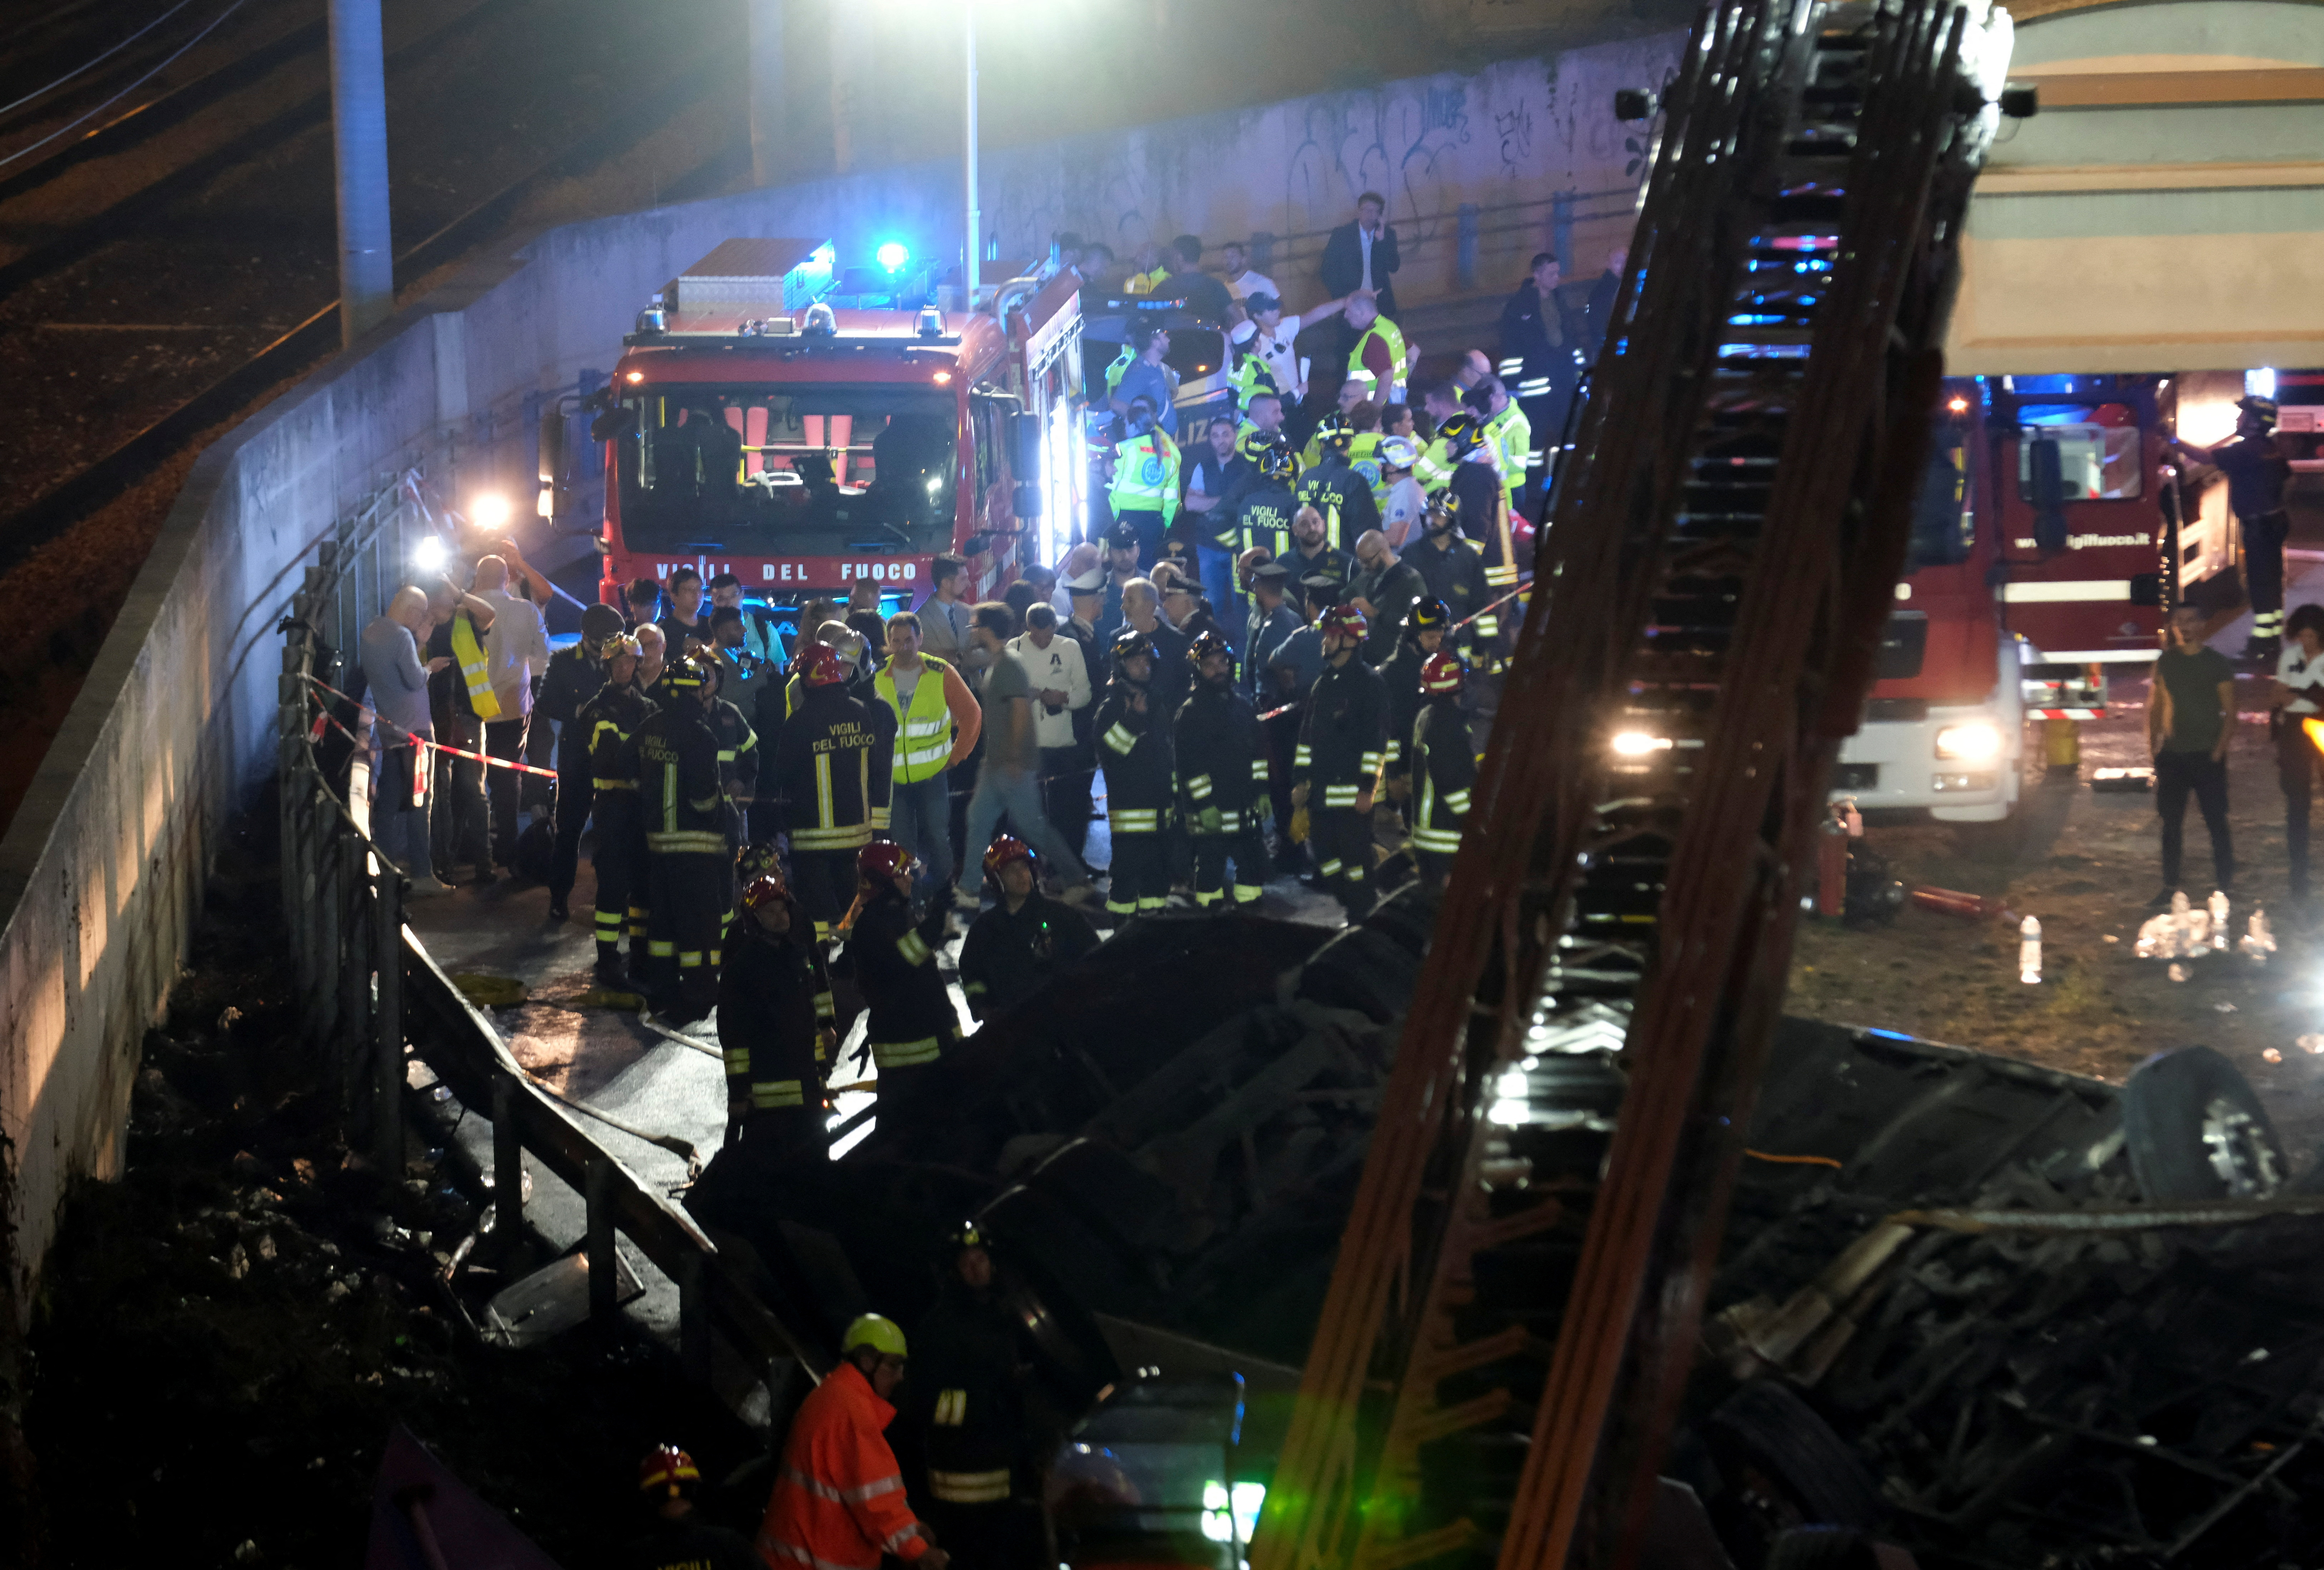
<point>1728,913</point>
<point>1613,508</point>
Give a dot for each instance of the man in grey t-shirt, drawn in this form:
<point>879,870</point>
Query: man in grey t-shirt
<point>398,684</point>
<point>1008,783</point>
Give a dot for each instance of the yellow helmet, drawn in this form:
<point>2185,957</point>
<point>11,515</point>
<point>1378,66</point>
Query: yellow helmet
<point>876,1331</point>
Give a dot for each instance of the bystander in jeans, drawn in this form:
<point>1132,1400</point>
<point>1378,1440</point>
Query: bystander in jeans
<point>460,691</point>
<point>1055,665</point>
<point>2298,697</point>
<point>2191,717</point>
<point>398,684</point>
<point>937,722</point>
<point>1009,784</point>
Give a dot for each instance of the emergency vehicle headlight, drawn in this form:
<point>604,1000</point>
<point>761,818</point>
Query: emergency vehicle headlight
<point>1972,742</point>
<point>1638,744</point>
<point>930,323</point>
<point>489,511</point>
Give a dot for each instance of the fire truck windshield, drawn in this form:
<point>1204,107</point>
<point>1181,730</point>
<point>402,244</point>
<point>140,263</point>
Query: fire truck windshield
<point>794,468</point>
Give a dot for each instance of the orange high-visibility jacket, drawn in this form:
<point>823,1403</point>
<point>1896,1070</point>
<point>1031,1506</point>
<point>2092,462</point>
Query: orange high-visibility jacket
<point>839,1499</point>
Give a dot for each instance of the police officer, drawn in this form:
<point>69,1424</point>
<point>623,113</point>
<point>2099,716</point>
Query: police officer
<point>605,725</point>
<point>771,990</point>
<point>1444,767</point>
<point>689,865</point>
<point>1341,740</point>
<point>1266,506</point>
<point>1133,744</point>
<point>1012,950</point>
<point>1144,494</point>
<point>1334,487</point>
<point>572,678</point>
<point>892,956</point>
<point>2257,474</point>
<point>1222,777</point>
<point>967,1401</point>
<point>1422,635</point>
<point>834,768</point>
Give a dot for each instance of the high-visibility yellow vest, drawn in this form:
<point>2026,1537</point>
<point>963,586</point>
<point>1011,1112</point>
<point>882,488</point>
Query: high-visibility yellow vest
<point>475,670</point>
<point>1388,333</point>
<point>1511,434</point>
<point>1120,367</point>
<point>923,725</point>
<point>1146,476</point>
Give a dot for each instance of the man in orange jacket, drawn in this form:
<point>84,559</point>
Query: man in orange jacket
<point>839,1500</point>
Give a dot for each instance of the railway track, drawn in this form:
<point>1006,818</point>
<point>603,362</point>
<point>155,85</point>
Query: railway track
<point>132,388</point>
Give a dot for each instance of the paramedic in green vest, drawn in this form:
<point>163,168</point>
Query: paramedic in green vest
<point>1378,356</point>
<point>1145,490</point>
<point>1508,433</point>
<point>460,701</point>
<point>937,721</point>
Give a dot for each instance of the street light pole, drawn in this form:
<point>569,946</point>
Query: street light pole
<point>973,252</point>
<point>359,146</point>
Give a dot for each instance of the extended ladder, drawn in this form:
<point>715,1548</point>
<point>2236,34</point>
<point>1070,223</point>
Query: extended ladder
<point>1507,1334</point>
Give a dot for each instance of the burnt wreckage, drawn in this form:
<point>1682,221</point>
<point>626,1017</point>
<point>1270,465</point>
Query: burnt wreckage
<point>1574,1252</point>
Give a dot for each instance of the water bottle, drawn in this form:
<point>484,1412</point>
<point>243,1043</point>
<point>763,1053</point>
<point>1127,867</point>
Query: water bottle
<point>2029,951</point>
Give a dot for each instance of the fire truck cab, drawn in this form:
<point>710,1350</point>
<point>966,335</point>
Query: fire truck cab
<point>2051,531</point>
<point>808,432</point>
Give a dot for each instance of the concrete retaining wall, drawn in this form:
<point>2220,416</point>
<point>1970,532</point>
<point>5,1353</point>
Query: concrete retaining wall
<point>102,870</point>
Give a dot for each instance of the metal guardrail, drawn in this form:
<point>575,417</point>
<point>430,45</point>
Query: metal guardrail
<point>368,986</point>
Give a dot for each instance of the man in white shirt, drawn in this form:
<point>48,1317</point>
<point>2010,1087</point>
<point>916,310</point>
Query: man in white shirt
<point>1240,281</point>
<point>1404,504</point>
<point>1271,336</point>
<point>516,651</point>
<point>1059,673</point>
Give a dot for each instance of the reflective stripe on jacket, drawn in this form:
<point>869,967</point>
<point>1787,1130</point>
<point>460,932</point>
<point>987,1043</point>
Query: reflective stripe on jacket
<point>839,1497</point>
<point>475,668</point>
<point>924,727</point>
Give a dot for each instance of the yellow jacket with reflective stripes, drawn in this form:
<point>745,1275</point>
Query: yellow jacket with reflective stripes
<point>475,668</point>
<point>924,727</point>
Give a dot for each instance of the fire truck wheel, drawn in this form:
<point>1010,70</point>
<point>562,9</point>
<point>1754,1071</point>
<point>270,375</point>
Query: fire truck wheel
<point>2194,1130</point>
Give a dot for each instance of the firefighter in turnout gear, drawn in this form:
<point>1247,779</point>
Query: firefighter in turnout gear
<point>772,997</point>
<point>892,956</point>
<point>1133,746</point>
<point>1012,950</point>
<point>1341,739</point>
<point>1444,767</point>
<point>1423,636</point>
<point>738,758</point>
<point>608,721</point>
<point>1265,508</point>
<point>572,678</point>
<point>1335,489</point>
<point>839,1500</point>
<point>968,1406</point>
<point>1221,762</point>
<point>834,766</point>
<point>1453,566</point>
<point>680,1539</point>
<point>689,868</point>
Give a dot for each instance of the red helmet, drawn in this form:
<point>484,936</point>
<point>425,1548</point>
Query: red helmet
<point>1441,673</point>
<point>765,888</point>
<point>667,1467</point>
<point>1007,848</point>
<point>1344,622</point>
<point>821,666</point>
<point>885,860</point>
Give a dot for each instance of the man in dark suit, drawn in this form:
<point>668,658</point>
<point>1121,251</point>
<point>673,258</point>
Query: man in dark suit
<point>1361,254</point>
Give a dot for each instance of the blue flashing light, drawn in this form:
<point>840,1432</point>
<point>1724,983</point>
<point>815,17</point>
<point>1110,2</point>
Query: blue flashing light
<point>891,255</point>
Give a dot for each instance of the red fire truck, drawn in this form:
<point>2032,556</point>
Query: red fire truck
<point>2051,531</point>
<point>808,428</point>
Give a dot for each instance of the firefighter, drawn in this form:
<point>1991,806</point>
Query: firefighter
<point>1341,740</point>
<point>689,867</point>
<point>2257,473</point>
<point>1145,490</point>
<point>1474,485</point>
<point>573,677</point>
<point>772,999</point>
<point>1444,767</point>
<point>839,1500</point>
<point>1266,505</point>
<point>1012,950</point>
<point>609,721</point>
<point>834,766</point>
<point>1335,488</point>
<point>1222,777</point>
<point>679,1539</point>
<point>892,956</point>
<point>738,756</point>
<point>1133,736</point>
<point>971,1416</point>
<point>1453,566</point>
<point>1422,635</point>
